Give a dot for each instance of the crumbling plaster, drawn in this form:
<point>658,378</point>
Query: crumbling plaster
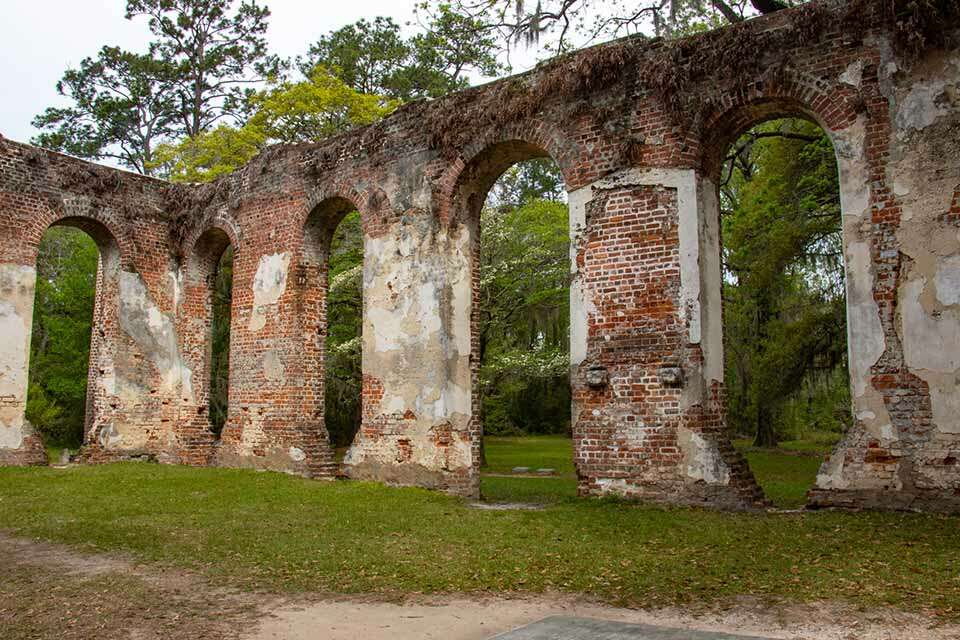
<point>17,284</point>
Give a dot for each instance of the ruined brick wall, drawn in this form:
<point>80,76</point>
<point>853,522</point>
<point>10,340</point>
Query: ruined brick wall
<point>135,371</point>
<point>638,129</point>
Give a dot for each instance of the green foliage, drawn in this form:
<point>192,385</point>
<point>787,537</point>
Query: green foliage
<point>538,179</point>
<point>365,55</point>
<point>315,109</point>
<point>524,301</point>
<point>307,111</point>
<point>209,155</point>
<point>220,341</point>
<point>343,375</point>
<point>200,68</point>
<point>122,106</point>
<point>60,347</point>
<point>374,58</point>
<point>784,314</point>
<point>215,54</point>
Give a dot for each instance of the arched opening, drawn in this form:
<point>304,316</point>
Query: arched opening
<point>211,295</point>
<point>513,200</point>
<point>784,302</point>
<point>77,259</point>
<point>333,280</point>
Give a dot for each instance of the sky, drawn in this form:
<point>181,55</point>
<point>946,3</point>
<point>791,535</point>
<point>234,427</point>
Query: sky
<point>42,38</point>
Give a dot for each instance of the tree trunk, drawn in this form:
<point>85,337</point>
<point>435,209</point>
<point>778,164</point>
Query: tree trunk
<point>766,433</point>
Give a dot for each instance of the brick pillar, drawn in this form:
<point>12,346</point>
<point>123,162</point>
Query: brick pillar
<point>272,421</point>
<point>19,443</point>
<point>647,344</point>
<point>417,426</point>
<point>136,373</point>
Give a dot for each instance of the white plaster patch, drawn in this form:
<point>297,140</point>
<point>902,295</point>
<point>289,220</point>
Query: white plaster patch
<point>945,404</point>
<point>613,486</point>
<point>702,460</point>
<point>154,332</point>
<point>581,304</point>
<point>297,454</point>
<point>108,381</point>
<point>273,369</point>
<point>853,75</point>
<point>919,109</point>
<point>269,284</point>
<point>14,351</point>
<point>16,320</point>
<point>830,475</point>
<point>632,434</point>
<point>947,281</point>
<point>176,287</point>
<point>931,343</point>
<point>109,436</point>
<point>11,436</point>
<point>866,342</point>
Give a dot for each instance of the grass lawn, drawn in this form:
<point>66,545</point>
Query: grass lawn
<point>272,531</point>
<point>784,475</point>
<point>536,452</point>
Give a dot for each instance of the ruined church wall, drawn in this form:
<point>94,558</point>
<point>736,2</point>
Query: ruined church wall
<point>136,375</point>
<point>902,176</point>
<point>638,129</point>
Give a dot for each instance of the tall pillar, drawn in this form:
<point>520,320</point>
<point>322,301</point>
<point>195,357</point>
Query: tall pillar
<point>647,342</point>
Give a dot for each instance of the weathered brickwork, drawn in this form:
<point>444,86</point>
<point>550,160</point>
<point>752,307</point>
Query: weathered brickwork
<point>638,130</point>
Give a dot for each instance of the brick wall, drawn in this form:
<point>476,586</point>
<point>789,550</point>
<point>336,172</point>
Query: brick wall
<point>638,129</point>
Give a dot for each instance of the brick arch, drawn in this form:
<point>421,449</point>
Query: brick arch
<point>833,107</point>
<point>205,248</point>
<point>372,203</point>
<point>326,208</point>
<point>480,164</point>
<point>222,222</point>
<point>733,113</point>
<point>98,223</point>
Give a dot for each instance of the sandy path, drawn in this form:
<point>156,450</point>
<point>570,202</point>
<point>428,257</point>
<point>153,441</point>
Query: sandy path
<point>187,605</point>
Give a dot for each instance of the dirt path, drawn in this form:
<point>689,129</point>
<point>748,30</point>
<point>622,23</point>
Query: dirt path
<point>50,591</point>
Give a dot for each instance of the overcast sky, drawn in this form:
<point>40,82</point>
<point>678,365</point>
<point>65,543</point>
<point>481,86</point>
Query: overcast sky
<point>44,37</point>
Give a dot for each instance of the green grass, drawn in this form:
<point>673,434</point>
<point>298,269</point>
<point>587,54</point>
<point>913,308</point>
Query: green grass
<point>785,479</point>
<point>785,476</point>
<point>536,452</point>
<point>272,531</point>
<point>535,490</point>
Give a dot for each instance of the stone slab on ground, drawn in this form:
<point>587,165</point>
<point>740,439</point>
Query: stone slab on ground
<point>568,628</point>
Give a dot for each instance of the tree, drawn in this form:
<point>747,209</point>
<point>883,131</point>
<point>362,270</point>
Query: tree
<point>365,55</point>
<point>784,310</point>
<point>516,20</point>
<point>208,155</point>
<point>452,46</point>
<point>288,112</point>
<point>524,182</point>
<point>218,55</point>
<point>122,107</point>
<point>313,110</point>
<point>220,317</point>
<point>524,303</point>
<point>60,346</point>
<point>342,367</point>
<point>374,58</point>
